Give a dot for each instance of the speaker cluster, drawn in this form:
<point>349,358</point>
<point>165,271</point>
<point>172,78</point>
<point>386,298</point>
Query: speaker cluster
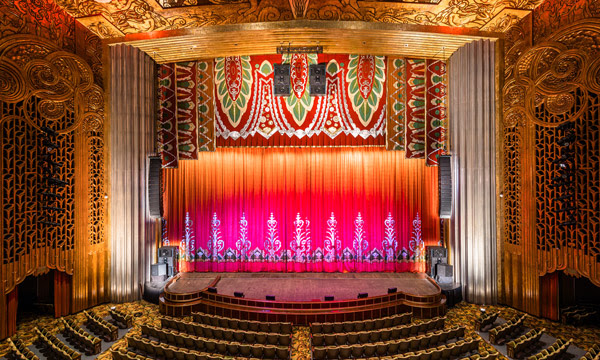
<point>50,181</point>
<point>154,188</point>
<point>565,181</point>
<point>316,78</point>
<point>445,186</point>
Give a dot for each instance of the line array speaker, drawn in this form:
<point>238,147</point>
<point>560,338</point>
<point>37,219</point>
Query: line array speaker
<point>281,80</point>
<point>317,79</point>
<point>445,186</point>
<point>155,204</point>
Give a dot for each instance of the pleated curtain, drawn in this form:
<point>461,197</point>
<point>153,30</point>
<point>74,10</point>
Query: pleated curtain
<point>132,119</point>
<point>472,74</point>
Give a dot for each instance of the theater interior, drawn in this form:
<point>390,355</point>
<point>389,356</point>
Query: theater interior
<point>300,179</point>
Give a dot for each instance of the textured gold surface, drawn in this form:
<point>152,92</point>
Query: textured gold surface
<point>343,37</point>
<point>138,16</point>
<point>546,85</point>
<point>54,77</point>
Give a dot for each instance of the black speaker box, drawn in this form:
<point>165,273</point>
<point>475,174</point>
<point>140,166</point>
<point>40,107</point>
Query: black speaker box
<point>281,80</point>
<point>317,79</point>
<point>168,251</point>
<point>166,260</point>
<point>445,186</point>
<point>444,273</point>
<point>159,269</point>
<point>154,187</point>
<point>435,255</point>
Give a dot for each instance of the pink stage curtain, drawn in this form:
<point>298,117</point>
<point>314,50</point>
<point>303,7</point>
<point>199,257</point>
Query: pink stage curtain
<point>292,209</point>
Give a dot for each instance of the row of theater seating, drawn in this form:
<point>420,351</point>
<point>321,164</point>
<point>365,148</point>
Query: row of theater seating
<point>446,351</point>
<point>554,351</point>
<point>230,323</point>
<point>57,347</point>
<point>83,340</point>
<point>101,326</point>
<point>160,350</point>
<point>204,344</point>
<point>21,352</point>
<point>219,333</point>
<point>592,354</point>
<point>123,354</point>
<point>506,330</point>
<point>523,342</point>
<point>484,355</point>
<point>395,346</point>
<point>486,319</point>
<point>123,320</point>
<point>363,325</point>
<point>396,332</point>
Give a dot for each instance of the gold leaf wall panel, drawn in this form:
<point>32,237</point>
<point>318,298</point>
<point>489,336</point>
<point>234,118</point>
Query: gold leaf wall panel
<point>50,74</point>
<point>551,78</point>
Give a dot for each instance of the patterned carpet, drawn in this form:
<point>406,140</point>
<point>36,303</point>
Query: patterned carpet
<point>463,314</point>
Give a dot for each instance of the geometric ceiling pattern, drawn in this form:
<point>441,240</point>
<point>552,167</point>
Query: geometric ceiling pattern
<point>116,18</point>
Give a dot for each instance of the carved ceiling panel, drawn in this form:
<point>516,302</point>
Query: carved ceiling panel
<point>115,18</point>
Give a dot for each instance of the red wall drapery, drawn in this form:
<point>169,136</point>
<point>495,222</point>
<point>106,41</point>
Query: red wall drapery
<point>62,293</point>
<point>292,209</point>
<point>8,319</point>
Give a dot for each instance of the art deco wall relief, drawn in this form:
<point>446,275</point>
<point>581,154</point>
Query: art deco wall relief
<point>43,85</point>
<point>549,87</point>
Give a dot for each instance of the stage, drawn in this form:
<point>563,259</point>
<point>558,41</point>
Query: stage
<point>305,286</point>
<point>299,297</point>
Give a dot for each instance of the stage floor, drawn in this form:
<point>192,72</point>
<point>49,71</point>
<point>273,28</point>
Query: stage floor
<point>306,286</point>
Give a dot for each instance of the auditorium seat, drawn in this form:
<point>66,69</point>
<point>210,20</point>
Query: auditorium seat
<point>257,348</point>
<point>235,324</point>
<point>100,326</point>
<point>90,344</point>
<point>592,354</point>
<point>396,346</point>
<point>211,332</point>
<point>55,346</point>
<point>526,341</point>
<point>397,332</point>
<point>366,325</point>
<point>485,320</point>
<point>505,330</point>
<point>20,351</point>
<point>122,319</point>
<point>554,351</point>
<point>374,351</point>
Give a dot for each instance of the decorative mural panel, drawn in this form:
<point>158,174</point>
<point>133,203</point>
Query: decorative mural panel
<point>187,110</point>
<point>167,118</point>
<point>415,108</point>
<point>361,91</point>
<point>396,104</point>
<point>205,96</point>
<point>435,119</point>
<point>352,113</point>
